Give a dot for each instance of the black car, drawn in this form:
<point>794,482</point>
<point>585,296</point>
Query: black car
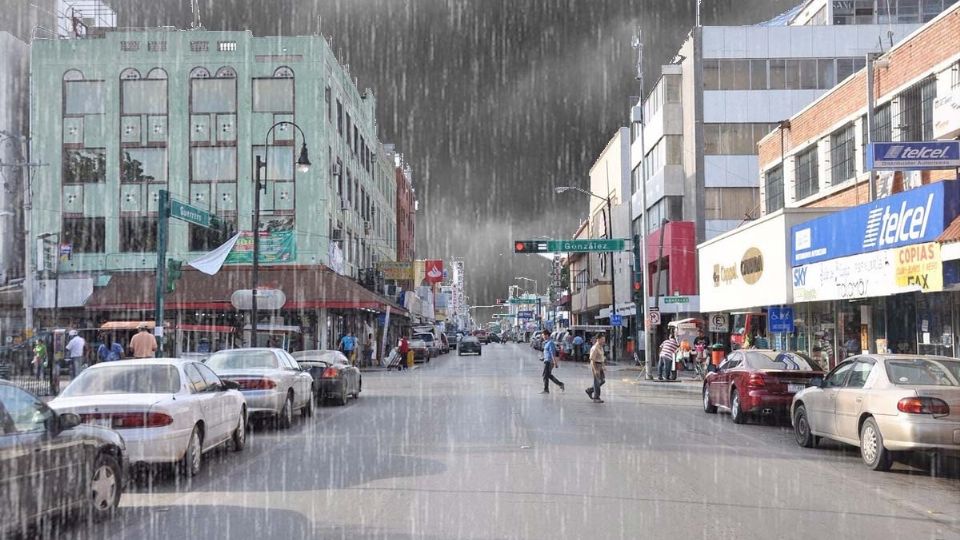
<point>333,376</point>
<point>469,344</point>
<point>50,464</point>
<point>493,338</point>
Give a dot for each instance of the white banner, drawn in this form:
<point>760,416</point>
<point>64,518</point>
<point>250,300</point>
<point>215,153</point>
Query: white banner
<point>212,262</point>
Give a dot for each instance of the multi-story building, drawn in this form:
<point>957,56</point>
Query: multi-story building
<point>723,91</point>
<point>121,115</point>
<point>406,203</point>
<point>880,271</point>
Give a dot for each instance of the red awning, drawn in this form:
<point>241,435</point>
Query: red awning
<point>951,233</point>
<point>306,287</point>
<point>205,328</point>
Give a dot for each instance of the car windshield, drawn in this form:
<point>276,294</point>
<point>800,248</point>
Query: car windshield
<point>424,337</point>
<point>243,360</point>
<point>923,371</point>
<point>470,339</point>
<point>125,379</point>
<point>788,361</point>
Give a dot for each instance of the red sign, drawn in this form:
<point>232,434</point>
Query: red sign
<point>433,271</point>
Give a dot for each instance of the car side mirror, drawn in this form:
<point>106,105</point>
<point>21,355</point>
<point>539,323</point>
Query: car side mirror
<point>230,385</point>
<point>817,381</point>
<point>67,421</point>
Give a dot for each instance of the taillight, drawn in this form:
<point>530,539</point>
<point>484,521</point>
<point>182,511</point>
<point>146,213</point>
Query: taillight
<point>256,384</point>
<point>756,380</point>
<point>130,419</point>
<point>923,405</point>
<point>330,373</point>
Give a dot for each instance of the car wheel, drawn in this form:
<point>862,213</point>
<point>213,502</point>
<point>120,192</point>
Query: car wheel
<point>105,487</point>
<point>193,456</point>
<point>285,418</point>
<point>307,410</point>
<point>736,414</point>
<point>240,433</point>
<point>342,400</point>
<point>874,455</point>
<point>359,389</point>
<point>801,428</point>
<point>708,407</point>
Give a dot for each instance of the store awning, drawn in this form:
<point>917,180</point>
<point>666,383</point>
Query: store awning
<point>950,241</point>
<point>127,325</point>
<point>305,287</point>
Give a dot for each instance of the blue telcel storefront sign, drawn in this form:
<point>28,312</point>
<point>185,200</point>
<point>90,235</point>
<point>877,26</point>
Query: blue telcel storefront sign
<point>911,217</point>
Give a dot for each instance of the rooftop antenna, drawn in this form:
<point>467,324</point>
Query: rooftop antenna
<point>195,9</point>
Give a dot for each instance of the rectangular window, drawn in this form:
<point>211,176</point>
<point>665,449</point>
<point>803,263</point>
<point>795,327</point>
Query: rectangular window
<point>773,189</point>
<point>85,234</point>
<point>711,75</point>
<point>204,239</point>
<point>758,74</point>
<point>807,174</point>
<point>955,76</point>
<point>279,162</point>
<point>347,132</point>
<point>826,74</point>
<point>339,117</point>
<point>213,163</point>
<point>792,74</point>
<point>138,234</point>
<point>778,74</point>
<point>327,99</point>
<point>916,111</point>
<point>273,95</point>
<point>842,155</point>
<point>734,139</point>
<point>213,96</point>
<point>730,203</point>
<point>83,97</point>
<point>808,74</point>
<point>148,96</point>
<point>143,165</point>
<point>882,124</point>
<point>84,165</point>
<point>932,8</point>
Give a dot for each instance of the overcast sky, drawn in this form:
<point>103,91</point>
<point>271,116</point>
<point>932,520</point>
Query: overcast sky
<point>493,102</point>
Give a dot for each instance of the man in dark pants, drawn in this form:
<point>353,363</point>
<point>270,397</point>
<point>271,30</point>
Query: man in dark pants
<point>549,351</point>
<point>597,358</point>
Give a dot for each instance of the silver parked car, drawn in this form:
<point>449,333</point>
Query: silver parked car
<point>883,404</point>
<point>272,382</point>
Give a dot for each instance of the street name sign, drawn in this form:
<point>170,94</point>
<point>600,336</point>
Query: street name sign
<point>517,300</point>
<point>190,214</point>
<point>524,314</point>
<point>676,299</point>
<point>587,245</point>
<point>913,155</point>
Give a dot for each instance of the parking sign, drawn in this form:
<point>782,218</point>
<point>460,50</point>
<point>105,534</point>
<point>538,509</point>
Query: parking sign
<point>719,322</point>
<point>616,320</point>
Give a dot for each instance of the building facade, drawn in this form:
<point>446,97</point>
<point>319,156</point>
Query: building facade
<point>726,88</point>
<point>406,211</point>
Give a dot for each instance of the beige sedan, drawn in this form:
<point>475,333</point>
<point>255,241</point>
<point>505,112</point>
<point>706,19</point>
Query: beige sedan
<point>883,404</point>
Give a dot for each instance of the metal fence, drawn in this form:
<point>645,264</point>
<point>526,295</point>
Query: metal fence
<point>16,365</point>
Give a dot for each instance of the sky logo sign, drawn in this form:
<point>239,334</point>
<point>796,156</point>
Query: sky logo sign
<point>888,225</point>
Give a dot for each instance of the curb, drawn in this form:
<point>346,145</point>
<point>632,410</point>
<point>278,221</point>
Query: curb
<point>683,387</point>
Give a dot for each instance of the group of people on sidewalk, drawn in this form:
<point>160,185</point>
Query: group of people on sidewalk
<point>674,353</point>
<point>349,346</point>
<point>597,361</point>
<point>142,345</point>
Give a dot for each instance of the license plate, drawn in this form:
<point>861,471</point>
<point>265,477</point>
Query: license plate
<point>101,422</point>
<point>794,388</point>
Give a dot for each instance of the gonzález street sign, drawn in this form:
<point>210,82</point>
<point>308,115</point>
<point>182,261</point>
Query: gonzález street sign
<point>676,299</point>
<point>588,245</point>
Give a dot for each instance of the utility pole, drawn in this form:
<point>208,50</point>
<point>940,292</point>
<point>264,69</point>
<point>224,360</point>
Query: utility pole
<point>871,104</point>
<point>648,347</point>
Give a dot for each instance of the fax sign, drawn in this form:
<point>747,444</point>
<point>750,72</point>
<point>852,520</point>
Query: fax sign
<point>913,155</point>
<point>780,319</point>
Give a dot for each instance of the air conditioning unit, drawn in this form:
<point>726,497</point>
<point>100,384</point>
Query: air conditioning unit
<point>336,235</point>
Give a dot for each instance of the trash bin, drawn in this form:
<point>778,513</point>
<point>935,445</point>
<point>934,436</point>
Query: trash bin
<point>716,354</point>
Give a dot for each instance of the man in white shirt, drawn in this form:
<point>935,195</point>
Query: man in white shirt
<point>75,348</point>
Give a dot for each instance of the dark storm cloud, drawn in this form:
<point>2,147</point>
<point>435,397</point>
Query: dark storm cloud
<point>494,102</point>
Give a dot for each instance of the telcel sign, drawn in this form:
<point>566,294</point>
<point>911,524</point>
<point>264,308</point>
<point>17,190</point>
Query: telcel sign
<point>913,155</point>
<point>911,217</point>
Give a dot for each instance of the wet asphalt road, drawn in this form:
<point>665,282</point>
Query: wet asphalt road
<point>465,447</point>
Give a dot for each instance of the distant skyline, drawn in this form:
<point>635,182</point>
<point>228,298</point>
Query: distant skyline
<point>492,103</point>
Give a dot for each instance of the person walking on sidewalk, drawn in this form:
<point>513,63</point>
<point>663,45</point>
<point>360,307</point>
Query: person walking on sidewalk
<point>347,345</point>
<point>578,347</point>
<point>597,359</point>
<point>143,345</point>
<point>668,350</point>
<point>75,349</point>
<point>549,354</point>
<point>404,349</point>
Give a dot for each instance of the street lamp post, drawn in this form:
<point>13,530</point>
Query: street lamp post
<point>303,165</point>
<point>613,276</point>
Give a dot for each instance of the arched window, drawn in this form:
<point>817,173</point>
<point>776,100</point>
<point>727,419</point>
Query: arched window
<point>129,74</point>
<point>283,72</point>
<point>226,72</point>
<point>157,74</point>
<point>72,75</point>
<point>199,73</point>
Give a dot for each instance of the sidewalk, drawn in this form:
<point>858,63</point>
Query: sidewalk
<point>686,380</point>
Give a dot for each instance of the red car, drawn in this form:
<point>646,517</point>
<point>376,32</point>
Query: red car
<point>758,381</point>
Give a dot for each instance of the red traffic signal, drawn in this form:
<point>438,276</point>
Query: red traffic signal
<point>637,285</point>
<point>520,246</point>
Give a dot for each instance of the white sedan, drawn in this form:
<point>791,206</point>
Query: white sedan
<point>271,381</point>
<point>167,410</point>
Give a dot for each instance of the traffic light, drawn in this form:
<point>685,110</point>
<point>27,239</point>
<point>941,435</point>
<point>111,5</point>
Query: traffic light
<point>637,272</point>
<point>174,273</point>
<point>530,246</point>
